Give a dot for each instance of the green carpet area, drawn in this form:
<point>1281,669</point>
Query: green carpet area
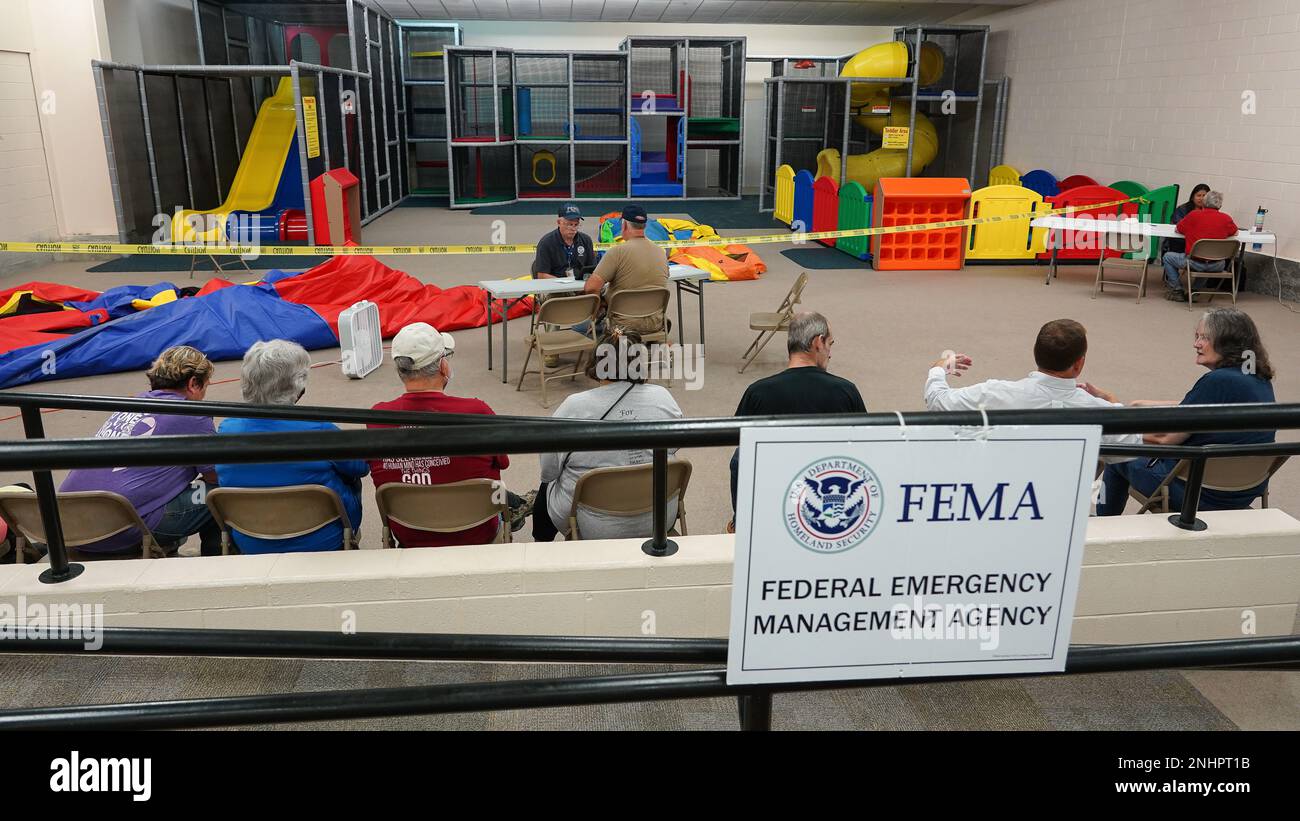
<point>161,262</point>
<point>821,258</point>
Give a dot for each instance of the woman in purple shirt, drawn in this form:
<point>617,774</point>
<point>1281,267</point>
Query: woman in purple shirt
<point>167,498</point>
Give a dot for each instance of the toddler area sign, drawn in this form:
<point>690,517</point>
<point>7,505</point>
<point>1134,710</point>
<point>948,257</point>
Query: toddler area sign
<point>900,552</point>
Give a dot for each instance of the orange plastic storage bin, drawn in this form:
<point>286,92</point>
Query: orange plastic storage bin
<point>916,201</point>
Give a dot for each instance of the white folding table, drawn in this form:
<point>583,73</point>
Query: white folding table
<point>692,281</point>
<point>508,291</point>
<point>1127,227</point>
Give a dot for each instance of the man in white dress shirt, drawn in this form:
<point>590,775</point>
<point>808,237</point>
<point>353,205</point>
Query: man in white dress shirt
<point>1059,352</point>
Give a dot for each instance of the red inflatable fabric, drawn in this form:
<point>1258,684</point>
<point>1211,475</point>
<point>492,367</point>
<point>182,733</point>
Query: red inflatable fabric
<point>50,292</point>
<point>333,286</point>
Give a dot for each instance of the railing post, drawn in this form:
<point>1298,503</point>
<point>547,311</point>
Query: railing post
<point>660,545</point>
<point>755,711</point>
<point>1191,498</point>
<point>60,570</point>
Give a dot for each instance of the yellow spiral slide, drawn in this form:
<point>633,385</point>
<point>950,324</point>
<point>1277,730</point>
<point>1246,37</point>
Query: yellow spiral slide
<point>886,60</point>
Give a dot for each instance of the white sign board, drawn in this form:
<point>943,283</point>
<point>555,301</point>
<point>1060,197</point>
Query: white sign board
<point>886,552</point>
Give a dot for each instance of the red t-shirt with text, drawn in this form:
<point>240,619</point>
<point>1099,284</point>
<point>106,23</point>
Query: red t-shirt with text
<point>437,470</point>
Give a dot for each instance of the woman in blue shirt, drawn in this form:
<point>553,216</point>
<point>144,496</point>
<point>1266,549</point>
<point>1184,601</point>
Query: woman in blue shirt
<point>1227,342</point>
<point>275,373</point>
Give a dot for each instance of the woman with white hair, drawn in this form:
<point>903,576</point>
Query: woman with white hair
<point>275,373</point>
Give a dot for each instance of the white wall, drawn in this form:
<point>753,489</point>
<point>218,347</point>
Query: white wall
<point>152,32</point>
<point>1152,90</point>
<point>61,37</point>
<point>760,40</point>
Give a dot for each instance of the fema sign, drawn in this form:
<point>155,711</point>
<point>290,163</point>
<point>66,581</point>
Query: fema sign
<point>894,552</point>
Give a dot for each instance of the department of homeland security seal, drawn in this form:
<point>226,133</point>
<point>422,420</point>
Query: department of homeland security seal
<point>832,505</point>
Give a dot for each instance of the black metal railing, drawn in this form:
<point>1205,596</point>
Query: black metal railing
<point>754,701</point>
<point>470,434</point>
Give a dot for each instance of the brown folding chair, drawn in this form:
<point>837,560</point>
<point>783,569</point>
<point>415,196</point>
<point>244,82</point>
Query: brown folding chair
<point>1226,473</point>
<point>278,512</point>
<point>769,325</point>
<point>1212,250</point>
<point>1112,265</point>
<point>628,491</point>
<point>86,516</point>
<point>642,303</point>
<point>564,312</point>
<point>448,508</point>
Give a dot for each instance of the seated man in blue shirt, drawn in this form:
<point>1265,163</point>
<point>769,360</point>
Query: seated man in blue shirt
<point>1228,343</point>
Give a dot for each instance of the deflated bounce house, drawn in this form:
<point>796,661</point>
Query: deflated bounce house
<point>725,263</point>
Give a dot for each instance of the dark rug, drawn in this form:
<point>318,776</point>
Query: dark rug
<point>821,258</point>
<point>163,262</point>
<point>742,213</point>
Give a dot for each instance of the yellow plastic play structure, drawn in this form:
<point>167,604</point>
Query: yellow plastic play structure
<point>879,61</point>
<point>258,176</point>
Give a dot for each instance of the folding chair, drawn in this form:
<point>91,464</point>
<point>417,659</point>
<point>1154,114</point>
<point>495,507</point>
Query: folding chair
<point>1226,473</point>
<point>277,513</point>
<point>1212,250</point>
<point>628,491</point>
<point>1137,268</point>
<point>769,325</point>
<point>562,311</point>
<point>642,303</point>
<point>86,516</point>
<point>447,508</point>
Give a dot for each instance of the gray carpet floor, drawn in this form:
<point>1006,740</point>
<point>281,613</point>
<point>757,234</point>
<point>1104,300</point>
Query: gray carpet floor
<point>1128,701</point>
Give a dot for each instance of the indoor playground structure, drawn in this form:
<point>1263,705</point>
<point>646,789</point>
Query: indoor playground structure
<point>300,123</point>
<point>660,117</point>
<point>822,113</point>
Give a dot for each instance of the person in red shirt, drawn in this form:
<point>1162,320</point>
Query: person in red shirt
<point>1204,223</point>
<point>421,354</point>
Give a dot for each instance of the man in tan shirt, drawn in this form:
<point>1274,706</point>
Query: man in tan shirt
<point>634,263</point>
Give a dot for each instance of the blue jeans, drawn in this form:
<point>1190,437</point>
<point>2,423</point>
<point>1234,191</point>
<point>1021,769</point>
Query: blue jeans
<point>1174,262</point>
<point>182,517</point>
<point>1118,478</point>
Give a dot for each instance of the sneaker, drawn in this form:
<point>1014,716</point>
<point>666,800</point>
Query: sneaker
<point>519,515</point>
<point>1175,295</point>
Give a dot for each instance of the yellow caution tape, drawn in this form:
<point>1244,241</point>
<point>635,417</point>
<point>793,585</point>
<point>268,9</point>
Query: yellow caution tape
<point>441,250</point>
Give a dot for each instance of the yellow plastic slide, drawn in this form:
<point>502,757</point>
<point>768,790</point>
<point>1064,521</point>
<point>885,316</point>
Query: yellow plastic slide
<point>886,60</point>
<point>258,175</point>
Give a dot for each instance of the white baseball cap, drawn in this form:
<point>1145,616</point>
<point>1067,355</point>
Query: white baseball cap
<point>423,344</point>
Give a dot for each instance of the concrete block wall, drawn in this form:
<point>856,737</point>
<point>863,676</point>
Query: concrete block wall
<point>1157,91</point>
<point>1143,581</point>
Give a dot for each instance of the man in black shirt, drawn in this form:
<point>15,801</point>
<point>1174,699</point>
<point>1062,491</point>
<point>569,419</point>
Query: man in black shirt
<point>566,251</point>
<point>804,387</point>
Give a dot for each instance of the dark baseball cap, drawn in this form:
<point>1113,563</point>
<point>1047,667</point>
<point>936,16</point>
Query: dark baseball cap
<point>569,211</point>
<point>635,213</point>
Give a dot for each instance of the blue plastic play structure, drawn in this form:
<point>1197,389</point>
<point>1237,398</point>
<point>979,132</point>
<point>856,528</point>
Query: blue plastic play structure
<point>659,173</point>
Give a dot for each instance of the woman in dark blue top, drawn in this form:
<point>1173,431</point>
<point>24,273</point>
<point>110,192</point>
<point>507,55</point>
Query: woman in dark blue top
<point>1195,201</point>
<point>1227,342</point>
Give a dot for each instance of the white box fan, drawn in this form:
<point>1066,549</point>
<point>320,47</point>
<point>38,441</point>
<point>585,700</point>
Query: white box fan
<point>360,339</point>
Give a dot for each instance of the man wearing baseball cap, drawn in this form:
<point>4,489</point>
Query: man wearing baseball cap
<point>634,263</point>
<point>422,357</point>
<point>566,251</point>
